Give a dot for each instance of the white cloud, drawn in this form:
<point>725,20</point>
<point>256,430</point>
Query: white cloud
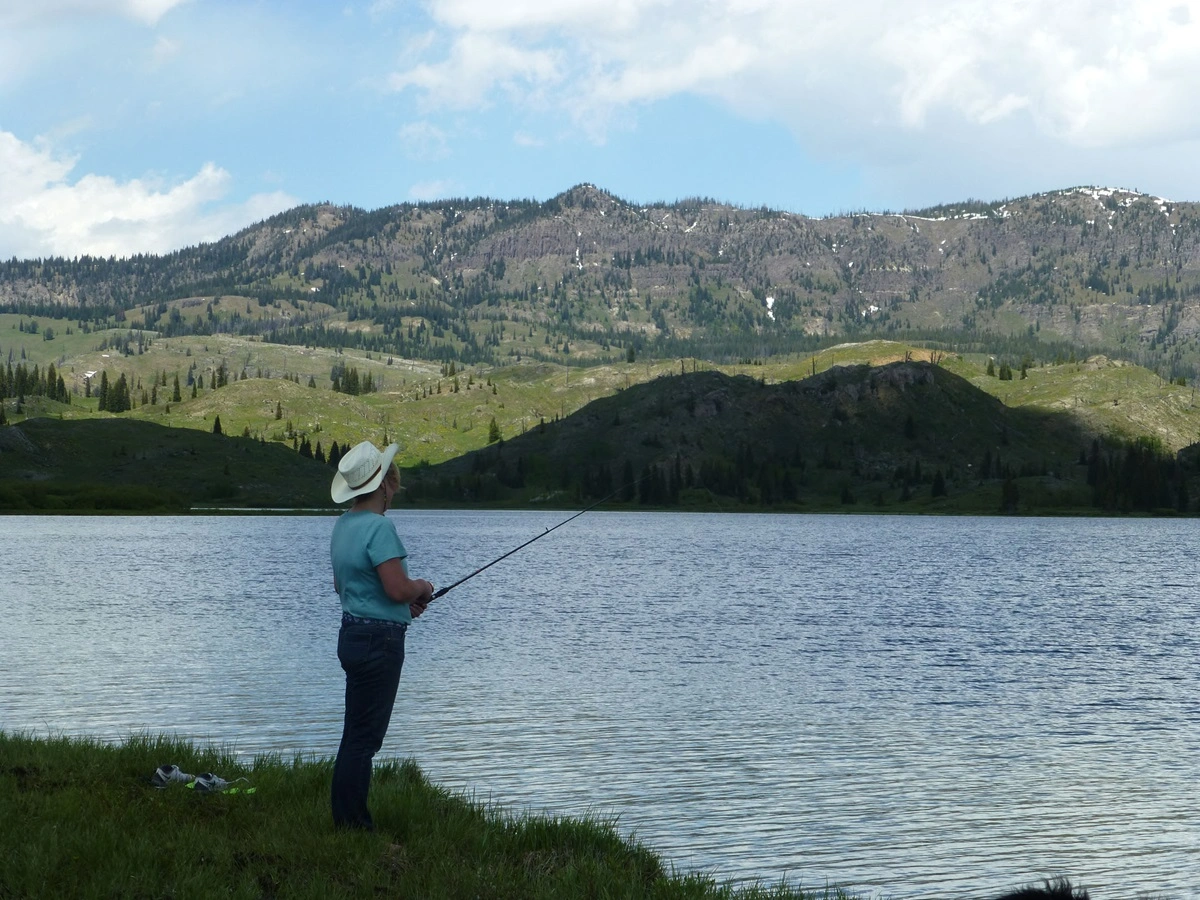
<point>26,169</point>
<point>434,190</point>
<point>477,64</point>
<point>44,214</point>
<point>1087,73</point>
<point>617,16</point>
<point>380,8</point>
<point>164,50</point>
<point>37,12</point>
<point>423,141</point>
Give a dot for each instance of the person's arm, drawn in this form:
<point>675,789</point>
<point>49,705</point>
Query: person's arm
<point>417,592</point>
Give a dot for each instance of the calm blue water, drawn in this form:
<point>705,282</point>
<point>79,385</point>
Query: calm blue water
<point>905,707</point>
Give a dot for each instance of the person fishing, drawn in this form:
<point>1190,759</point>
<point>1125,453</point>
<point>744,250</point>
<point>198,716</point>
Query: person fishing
<point>379,602</point>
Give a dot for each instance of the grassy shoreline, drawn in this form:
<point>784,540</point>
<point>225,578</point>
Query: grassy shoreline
<point>83,820</point>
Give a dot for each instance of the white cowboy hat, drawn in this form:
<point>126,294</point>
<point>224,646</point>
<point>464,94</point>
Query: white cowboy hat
<point>361,470</point>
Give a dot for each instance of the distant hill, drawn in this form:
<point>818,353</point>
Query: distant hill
<point>121,464</point>
<point>586,278</point>
<point>905,436</point>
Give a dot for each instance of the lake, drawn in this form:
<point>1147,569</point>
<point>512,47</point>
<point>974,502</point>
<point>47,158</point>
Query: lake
<point>906,707</point>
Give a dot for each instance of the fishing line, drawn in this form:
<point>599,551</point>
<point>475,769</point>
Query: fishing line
<point>442,591</point>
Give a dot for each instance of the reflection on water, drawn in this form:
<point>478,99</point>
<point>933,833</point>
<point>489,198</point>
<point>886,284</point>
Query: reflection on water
<point>907,707</point>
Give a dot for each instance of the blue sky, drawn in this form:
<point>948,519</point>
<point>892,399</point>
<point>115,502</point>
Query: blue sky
<point>133,126</point>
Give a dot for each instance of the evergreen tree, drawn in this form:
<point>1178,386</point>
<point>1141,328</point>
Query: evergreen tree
<point>217,425</point>
<point>493,431</point>
<point>628,483</point>
<point>118,398</point>
<point>175,395</point>
<point>1009,495</point>
<point>939,485</point>
<point>985,467</point>
<point>787,486</point>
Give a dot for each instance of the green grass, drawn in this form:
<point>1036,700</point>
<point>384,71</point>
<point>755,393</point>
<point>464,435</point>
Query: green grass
<point>82,820</point>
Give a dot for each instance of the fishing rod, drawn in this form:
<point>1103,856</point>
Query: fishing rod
<point>442,591</point>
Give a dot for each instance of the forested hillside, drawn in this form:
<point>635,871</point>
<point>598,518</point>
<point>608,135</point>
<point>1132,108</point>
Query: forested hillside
<point>587,278</point>
<point>907,436</point>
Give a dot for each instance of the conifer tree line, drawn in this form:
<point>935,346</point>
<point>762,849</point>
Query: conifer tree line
<point>22,381</point>
<point>113,397</point>
<point>1137,476</point>
<point>347,380</point>
<point>118,393</point>
<point>1123,476</point>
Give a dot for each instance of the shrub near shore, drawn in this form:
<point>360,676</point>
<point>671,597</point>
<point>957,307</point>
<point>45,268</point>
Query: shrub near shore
<point>82,820</point>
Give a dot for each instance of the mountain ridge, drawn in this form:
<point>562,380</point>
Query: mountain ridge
<point>1100,269</point>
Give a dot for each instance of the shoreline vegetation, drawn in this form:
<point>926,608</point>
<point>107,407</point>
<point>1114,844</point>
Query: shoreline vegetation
<point>83,820</point>
<point>17,499</point>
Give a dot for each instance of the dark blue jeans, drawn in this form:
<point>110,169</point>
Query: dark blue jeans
<point>371,656</point>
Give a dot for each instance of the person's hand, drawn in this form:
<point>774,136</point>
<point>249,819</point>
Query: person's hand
<point>416,608</point>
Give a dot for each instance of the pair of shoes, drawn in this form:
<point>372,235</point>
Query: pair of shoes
<point>208,783</point>
<point>166,775</point>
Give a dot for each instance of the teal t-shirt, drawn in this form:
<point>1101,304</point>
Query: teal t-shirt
<point>361,541</point>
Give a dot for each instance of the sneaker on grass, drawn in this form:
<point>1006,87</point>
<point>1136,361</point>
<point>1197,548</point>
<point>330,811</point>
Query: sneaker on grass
<point>167,775</point>
<point>208,783</point>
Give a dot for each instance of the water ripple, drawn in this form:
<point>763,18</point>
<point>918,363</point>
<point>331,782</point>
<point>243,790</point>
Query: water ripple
<point>907,707</point>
